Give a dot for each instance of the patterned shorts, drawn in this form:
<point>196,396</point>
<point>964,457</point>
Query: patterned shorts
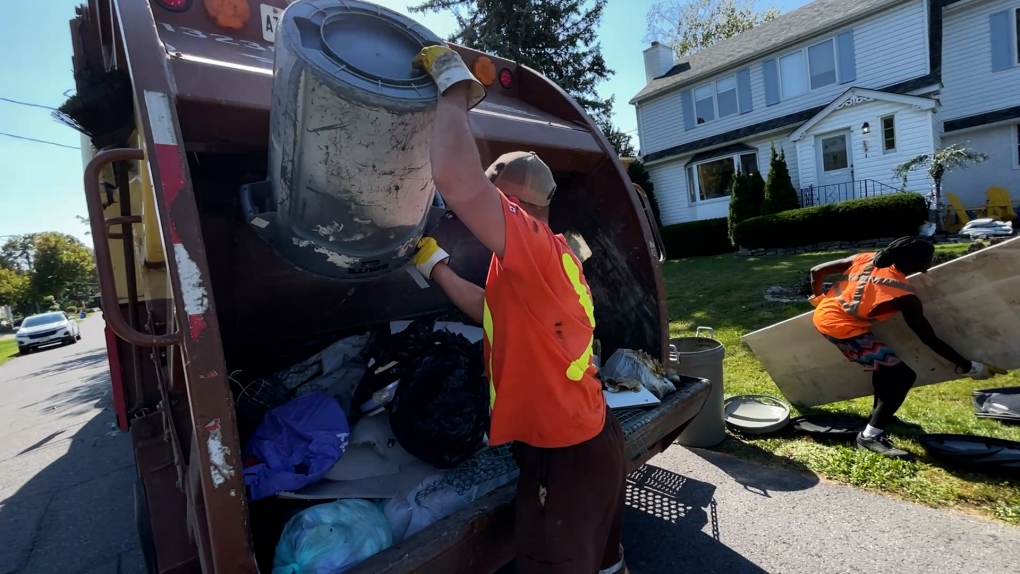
<point>867,351</point>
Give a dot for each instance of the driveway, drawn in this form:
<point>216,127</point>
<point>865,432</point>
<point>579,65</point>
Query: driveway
<point>66,473</point>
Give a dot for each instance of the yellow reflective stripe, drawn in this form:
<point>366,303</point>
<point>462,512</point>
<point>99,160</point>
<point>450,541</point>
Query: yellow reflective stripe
<point>487,326</point>
<point>578,367</point>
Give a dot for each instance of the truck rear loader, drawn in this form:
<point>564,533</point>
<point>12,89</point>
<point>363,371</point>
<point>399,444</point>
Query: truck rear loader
<point>196,298</point>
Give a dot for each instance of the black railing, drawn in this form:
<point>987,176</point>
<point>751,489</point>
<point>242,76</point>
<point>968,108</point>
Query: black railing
<point>859,189</point>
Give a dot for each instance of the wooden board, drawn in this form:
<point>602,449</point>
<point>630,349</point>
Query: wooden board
<point>972,302</point>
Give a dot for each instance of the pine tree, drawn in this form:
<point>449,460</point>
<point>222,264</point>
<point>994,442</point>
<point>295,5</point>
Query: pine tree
<point>742,202</point>
<point>554,37</point>
<point>780,194</point>
<point>757,192</point>
<point>639,175</point>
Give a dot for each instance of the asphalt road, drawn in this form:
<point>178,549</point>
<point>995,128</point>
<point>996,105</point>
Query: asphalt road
<point>66,504</point>
<point>66,474</point>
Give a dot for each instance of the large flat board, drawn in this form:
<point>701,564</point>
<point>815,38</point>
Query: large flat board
<point>972,302</point>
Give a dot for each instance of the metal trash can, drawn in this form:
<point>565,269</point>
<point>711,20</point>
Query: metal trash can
<point>702,357</point>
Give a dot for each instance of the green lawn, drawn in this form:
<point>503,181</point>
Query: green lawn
<point>8,348</point>
<point>727,293</point>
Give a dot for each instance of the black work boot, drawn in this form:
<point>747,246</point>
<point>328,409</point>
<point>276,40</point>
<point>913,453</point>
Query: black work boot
<point>882,446</point>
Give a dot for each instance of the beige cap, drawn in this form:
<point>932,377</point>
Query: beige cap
<point>523,175</point>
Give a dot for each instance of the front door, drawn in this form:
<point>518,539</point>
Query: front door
<point>835,170</point>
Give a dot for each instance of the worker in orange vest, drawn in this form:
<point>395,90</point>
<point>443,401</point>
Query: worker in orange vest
<point>538,320</point>
<point>873,287</point>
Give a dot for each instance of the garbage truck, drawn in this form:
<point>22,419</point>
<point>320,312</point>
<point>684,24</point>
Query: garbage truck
<point>256,174</point>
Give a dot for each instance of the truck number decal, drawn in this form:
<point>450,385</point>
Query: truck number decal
<point>220,38</point>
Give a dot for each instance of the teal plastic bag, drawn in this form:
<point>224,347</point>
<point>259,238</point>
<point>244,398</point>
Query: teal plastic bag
<point>330,538</point>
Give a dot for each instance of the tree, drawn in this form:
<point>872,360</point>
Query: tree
<point>13,287</point>
<point>554,37</point>
<point>938,165</point>
<point>639,175</point>
<point>780,194</point>
<point>757,191</point>
<point>692,25</point>
<point>742,204</point>
<point>49,266</point>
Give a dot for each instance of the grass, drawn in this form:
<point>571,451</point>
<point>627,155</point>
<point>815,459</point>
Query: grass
<point>8,348</point>
<point>727,293</point>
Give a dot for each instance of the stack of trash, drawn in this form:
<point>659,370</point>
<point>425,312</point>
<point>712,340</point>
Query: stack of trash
<point>987,227</point>
<point>388,429</point>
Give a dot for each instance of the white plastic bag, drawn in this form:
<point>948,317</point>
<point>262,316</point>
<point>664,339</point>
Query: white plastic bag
<point>629,364</point>
<point>331,537</point>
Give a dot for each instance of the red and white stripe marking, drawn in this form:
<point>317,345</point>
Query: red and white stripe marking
<point>168,157</point>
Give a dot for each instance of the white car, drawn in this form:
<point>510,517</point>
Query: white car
<point>47,329</point>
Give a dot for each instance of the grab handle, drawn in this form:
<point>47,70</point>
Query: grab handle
<point>711,332</point>
<point>104,264</point>
<point>650,216</point>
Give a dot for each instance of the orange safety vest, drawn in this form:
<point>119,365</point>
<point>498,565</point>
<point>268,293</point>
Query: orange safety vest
<point>848,309</point>
<point>539,323</point>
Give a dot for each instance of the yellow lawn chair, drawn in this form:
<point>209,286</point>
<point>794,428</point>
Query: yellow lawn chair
<point>962,216</point>
<point>999,204</point>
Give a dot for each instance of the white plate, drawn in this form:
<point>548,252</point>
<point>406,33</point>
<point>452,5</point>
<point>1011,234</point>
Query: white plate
<point>270,21</point>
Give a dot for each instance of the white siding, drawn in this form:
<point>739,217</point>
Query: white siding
<point>914,136</point>
<point>670,182</point>
<point>1000,143</point>
<point>970,85</point>
<point>890,47</point>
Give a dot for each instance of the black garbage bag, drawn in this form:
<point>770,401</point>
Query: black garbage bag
<point>440,413</point>
<point>390,358</point>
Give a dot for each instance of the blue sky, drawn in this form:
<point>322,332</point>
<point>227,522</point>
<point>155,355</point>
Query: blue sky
<point>42,184</point>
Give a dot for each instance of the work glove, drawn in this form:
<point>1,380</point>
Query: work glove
<point>981,371</point>
<point>447,68</point>
<point>428,255</point>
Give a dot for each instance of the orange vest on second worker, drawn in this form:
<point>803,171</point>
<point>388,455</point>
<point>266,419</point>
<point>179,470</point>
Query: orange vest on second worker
<point>539,325</point>
<point>847,310</point>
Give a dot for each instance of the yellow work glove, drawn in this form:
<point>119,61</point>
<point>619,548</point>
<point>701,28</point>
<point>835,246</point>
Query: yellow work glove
<point>428,255</point>
<point>447,68</point>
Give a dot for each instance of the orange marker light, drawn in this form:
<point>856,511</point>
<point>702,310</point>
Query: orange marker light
<point>484,70</point>
<point>232,14</point>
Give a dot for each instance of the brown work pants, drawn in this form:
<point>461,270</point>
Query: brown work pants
<point>569,509</point>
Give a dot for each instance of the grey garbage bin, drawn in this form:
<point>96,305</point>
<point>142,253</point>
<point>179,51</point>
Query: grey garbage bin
<point>702,357</point>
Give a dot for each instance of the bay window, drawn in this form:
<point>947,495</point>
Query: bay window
<point>711,179</point>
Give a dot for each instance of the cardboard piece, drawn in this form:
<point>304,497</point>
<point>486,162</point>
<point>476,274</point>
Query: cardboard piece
<point>972,302</point>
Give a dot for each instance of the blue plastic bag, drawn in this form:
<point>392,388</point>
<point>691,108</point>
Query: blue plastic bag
<point>296,445</point>
<point>330,538</point>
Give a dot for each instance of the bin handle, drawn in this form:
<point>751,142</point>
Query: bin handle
<point>104,264</point>
<point>711,332</point>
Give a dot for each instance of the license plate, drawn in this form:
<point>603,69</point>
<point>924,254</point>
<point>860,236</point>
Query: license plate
<point>270,21</point>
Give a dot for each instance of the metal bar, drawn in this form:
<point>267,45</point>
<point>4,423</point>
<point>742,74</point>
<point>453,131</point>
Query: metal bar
<point>130,274</point>
<point>659,244</point>
<point>104,264</point>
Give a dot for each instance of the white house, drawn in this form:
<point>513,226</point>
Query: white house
<point>847,90</point>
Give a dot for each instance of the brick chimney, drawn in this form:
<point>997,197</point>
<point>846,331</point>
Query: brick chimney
<point>658,60</point>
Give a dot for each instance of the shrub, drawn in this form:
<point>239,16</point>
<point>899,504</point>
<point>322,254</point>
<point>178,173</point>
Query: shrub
<point>757,192</point>
<point>71,310</point>
<point>893,215</point>
<point>639,175</point>
<point>742,205</point>
<point>695,238</point>
<point>780,195</point>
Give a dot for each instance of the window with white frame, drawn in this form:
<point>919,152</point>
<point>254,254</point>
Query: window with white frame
<point>1016,146</point>
<point>888,134</point>
<point>711,179</point>
<point>716,100</point>
<point>808,69</point>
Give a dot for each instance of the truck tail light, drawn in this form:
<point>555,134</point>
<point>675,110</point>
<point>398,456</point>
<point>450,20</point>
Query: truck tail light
<point>175,5</point>
<point>506,78</point>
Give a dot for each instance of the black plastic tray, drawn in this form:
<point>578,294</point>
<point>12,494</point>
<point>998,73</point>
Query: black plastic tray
<point>830,425</point>
<point>976,453</point>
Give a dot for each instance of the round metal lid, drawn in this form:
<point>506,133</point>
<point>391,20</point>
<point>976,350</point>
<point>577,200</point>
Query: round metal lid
<point>364,45</point>
<point>756,414</point>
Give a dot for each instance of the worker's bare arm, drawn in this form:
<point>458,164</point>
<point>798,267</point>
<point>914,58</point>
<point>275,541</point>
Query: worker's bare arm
<point>467,296</point>
<point>820,272</point>
<point>458,172</point>
<point>913,314</point>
